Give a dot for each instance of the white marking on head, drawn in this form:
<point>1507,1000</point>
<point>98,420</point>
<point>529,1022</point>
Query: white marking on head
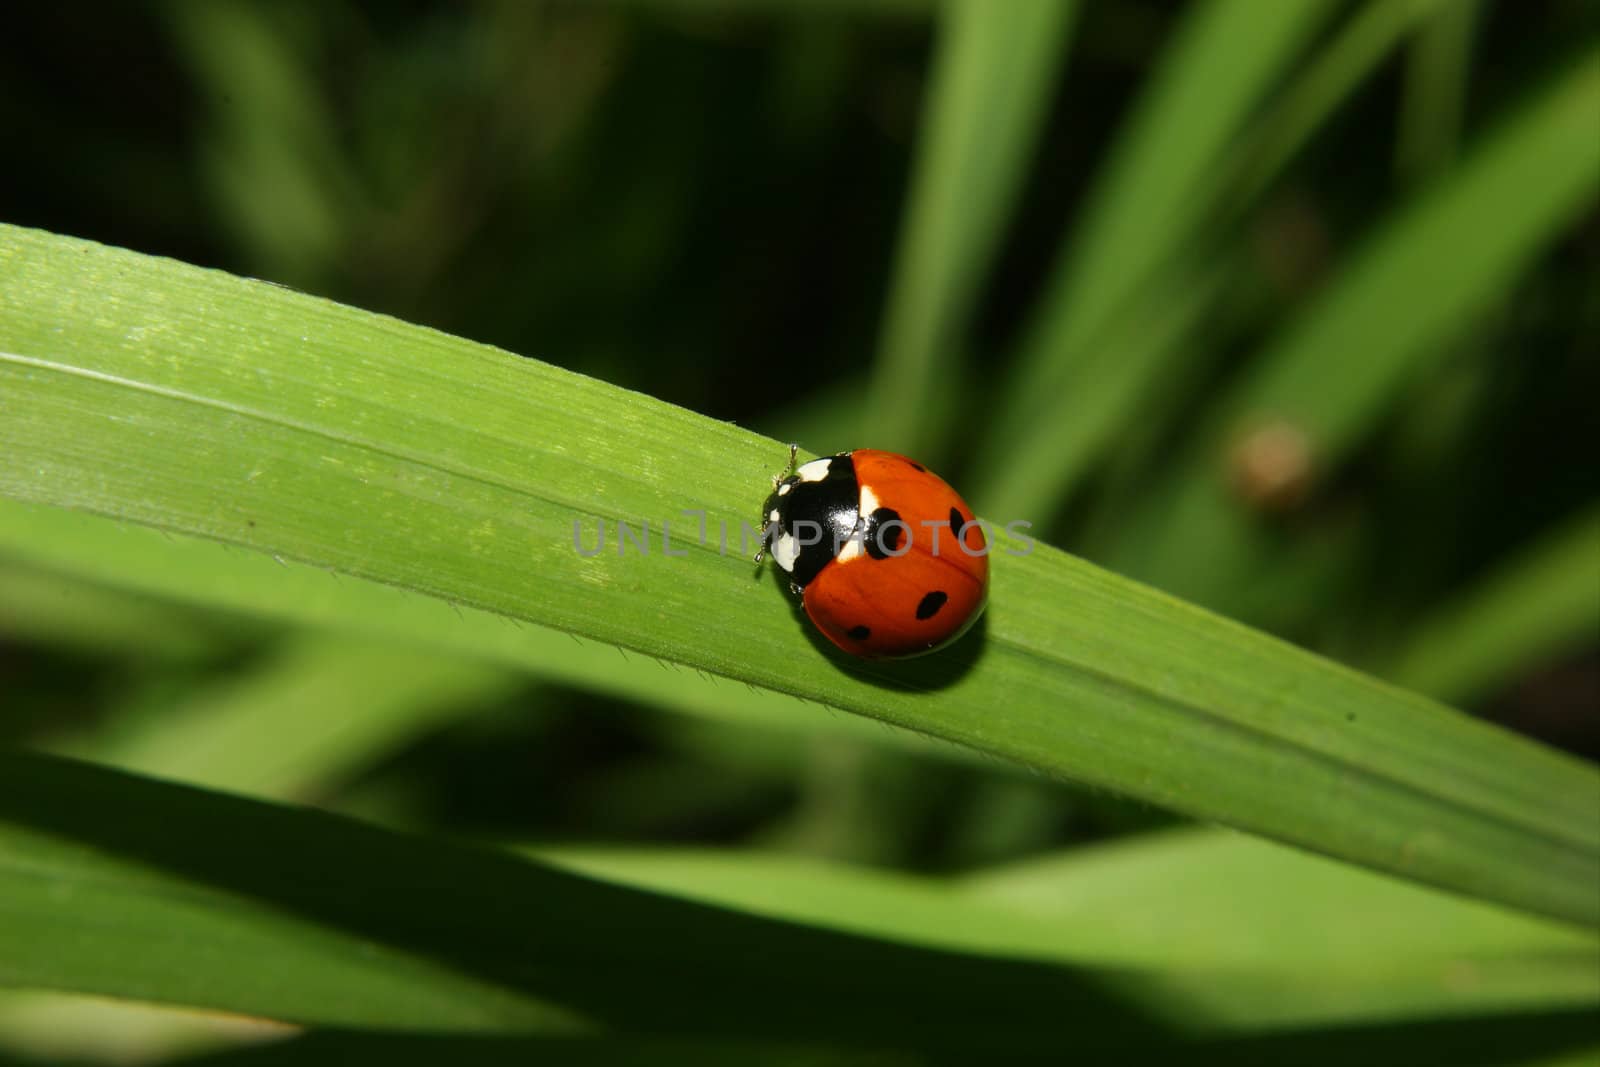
<point>869,501</point>
<point>852,549</point>
<point>814,471</point>
<point>784,487</point>
<point>785,550</point>
<point>772,516</point>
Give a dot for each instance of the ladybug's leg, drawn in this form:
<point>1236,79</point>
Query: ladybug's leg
<point>766,525</point>
<point>778,478</point>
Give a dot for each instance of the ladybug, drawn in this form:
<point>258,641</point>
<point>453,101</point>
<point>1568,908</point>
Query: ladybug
<point>886,558</point>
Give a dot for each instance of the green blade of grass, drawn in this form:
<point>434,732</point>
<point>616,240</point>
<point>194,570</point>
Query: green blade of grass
<point>193,402</point>
<point>1227,55</point>
<point>1350,357</point>
<point>115,885</point>
<point>1250,904</point>
<point>96,897</point>
<point>1540,605</point>
<point>992,81</point>
<point>343,924</point>
<point>1112,379</point>
<point>1125,363</point>
<point>1436,262</point>
<point>875,8</point>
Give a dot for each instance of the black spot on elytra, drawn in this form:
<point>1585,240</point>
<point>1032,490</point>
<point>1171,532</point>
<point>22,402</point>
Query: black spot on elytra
<point>918,467</point>
<point>968,532</point>
<point>931,603</point>
<point>858,633</point>
<point>884,542</point>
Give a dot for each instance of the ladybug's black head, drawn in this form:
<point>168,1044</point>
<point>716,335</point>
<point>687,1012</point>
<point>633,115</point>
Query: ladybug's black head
<point>811,515</point>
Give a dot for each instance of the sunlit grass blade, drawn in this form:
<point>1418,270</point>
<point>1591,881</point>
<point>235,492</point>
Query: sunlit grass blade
<point>1253,904</point>
<point>993,77</point>
<point>59,1028</point>
<point>1348,360</point>
<point>1228,54</point>
<point>204,405</point>
<point>1540,605</point>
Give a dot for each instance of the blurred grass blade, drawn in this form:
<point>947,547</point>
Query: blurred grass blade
<point>1227,57</point>
<point>1337,69</point>
<point>114,885</point>
<point>993,78</point>
<point>308,717</point>
<point>1252,904</point>
<point>1413,286</point>
<point>422,1049</point>
<point>1537,607</point>
<point>201,404</point>
<point>1541,1039</point>
<point>877,8</point>
<point>272,156</point>
<point>1345,363</point>
<point>38,607</point>
<point>1126,367</point>
<point>1436,92</point>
